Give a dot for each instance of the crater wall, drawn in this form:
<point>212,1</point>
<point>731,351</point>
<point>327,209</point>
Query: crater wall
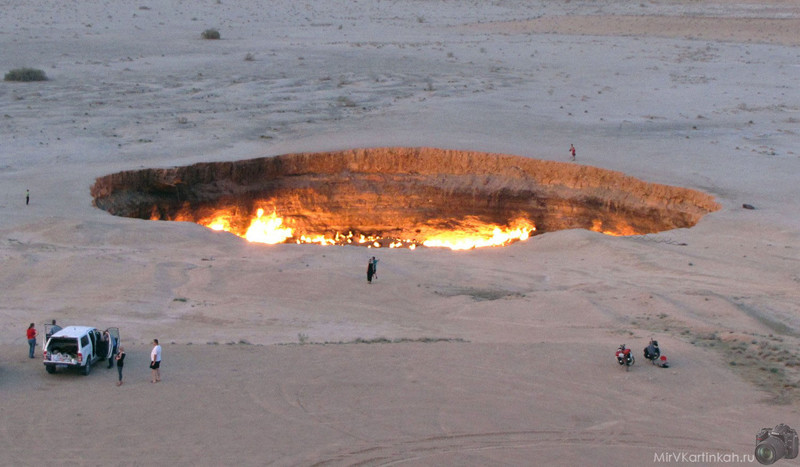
<point>399,192</point>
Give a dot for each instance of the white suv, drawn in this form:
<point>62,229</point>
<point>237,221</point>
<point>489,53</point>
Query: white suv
<point>79,347</point>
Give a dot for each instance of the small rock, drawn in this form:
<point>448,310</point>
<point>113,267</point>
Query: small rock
<point>748,206</point>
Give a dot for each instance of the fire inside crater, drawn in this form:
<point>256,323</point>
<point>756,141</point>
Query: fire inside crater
<point>400,197</point>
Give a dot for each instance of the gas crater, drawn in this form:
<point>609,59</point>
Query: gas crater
<point>400,197</point>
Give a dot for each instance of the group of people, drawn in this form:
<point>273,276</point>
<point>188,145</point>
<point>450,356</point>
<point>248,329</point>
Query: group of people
<point>155,362</point>
<point>652,352</point>
<point>372,269</point>
<point>117,355</point>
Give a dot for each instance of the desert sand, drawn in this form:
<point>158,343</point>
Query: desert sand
<point>283,354</point>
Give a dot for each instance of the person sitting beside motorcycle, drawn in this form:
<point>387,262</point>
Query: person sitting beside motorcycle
<point>652,352</point>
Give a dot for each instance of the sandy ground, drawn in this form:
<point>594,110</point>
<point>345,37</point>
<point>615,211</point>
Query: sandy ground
<point>494,357</point>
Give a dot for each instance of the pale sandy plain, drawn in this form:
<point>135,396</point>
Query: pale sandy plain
<point>701,94</point>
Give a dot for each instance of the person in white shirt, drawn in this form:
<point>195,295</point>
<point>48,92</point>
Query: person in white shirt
<point>155,362</point>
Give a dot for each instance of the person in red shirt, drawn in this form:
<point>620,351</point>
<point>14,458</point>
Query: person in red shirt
<point>32,338</point>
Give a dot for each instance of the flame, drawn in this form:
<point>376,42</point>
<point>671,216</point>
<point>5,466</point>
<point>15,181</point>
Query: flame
<point>465,234</point>
<point>474,234</point>
<point>321,239</point>
<point>267,229</point>
<point>622,229</point>
<point>220,224</point>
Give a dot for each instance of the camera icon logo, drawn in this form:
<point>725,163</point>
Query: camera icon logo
<point>773,444</point>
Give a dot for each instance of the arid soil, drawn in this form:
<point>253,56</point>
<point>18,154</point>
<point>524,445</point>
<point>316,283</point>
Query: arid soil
<point>283,354</point>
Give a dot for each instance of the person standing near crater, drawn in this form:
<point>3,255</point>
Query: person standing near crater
<point>370,271</point>
<point>572,152</point>
<point>374,267</point>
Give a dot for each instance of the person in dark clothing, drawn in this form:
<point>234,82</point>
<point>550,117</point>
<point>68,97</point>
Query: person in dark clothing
<point>374,267</point>
<point>370,271</point>
<point>120,358</point>
<point>103,345</point>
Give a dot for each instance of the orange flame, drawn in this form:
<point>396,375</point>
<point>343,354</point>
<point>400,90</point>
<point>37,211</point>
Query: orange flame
<point>621,230</point>
<point>467,234</point>
<point>321,239</point>
<point>220,224</point>
<point>474,234</point>
<point>267,229</point>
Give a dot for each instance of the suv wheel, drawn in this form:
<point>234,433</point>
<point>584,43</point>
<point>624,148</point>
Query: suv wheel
<point>87,369</point>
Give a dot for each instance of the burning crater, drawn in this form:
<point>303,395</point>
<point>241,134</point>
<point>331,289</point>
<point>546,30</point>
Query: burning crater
<point>400,197</point>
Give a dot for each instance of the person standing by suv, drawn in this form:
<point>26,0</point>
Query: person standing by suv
<point>120,358</point>
<point>155,362</point>
<point>54,328</point>
<point>31,339</point>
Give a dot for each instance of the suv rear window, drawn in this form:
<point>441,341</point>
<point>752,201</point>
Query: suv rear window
<point>68,345</point>
<point>84,341</point>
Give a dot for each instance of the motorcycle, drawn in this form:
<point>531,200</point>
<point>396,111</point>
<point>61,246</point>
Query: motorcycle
<point>625,357</point>
<point>653,353</point>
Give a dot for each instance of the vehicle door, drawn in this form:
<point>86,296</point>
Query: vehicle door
<point>48,331</point>
<point>85,342</point>
<point>95,336</point>
<point>115,341</point>
<point>47,334</point>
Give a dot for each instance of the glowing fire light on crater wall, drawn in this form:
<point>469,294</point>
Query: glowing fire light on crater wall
<point>400,198</point>
<point>464,235</point>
